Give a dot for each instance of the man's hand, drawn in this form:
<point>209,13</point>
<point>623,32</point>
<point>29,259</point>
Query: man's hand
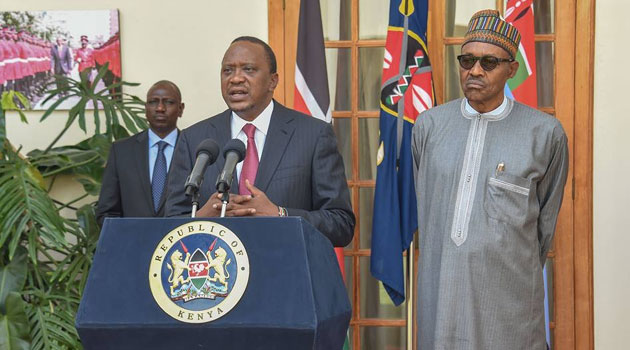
<point>256,204</point>
<point>259,202</point>
<point>212,207</point>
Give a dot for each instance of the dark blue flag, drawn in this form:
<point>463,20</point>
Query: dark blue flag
<point>406,91</point>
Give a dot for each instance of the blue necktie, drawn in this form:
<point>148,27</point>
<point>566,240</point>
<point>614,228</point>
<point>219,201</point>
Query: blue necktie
<point>159,175</point>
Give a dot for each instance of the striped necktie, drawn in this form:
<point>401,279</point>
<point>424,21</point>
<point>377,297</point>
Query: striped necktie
<point>250,164</point>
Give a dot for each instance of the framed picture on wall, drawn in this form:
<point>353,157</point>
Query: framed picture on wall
<point>38,49</point>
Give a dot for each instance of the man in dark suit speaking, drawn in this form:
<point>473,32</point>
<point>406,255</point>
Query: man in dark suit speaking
<point>134,182</point>
<point>292,165</point>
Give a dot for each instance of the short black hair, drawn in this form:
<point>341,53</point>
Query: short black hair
<point>168,82</point>
<point>271,57</point>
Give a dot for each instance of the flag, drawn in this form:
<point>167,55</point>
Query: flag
<point>406,91</point>
<point>311,79</point>
<point>522,87</point>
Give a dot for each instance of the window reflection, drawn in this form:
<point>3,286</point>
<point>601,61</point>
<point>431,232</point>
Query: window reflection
<point>544,73</point>
<point>336,19</point>
<point>368,146</point>
<point>338,64</point>
<point>366,197</point>
<point>343,131</point>
<point>458,14</point>
<point>370,69</point>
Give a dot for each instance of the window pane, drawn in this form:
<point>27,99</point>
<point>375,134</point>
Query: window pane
<point>336,19</point>
<point>375,303</point>
<point>343,131</point>
<point>348,277</point>
<point>543,16</point>
<point>373,18</point>
<point>368,147</point>
<point>379,338</point>
<point>458,14</point>
<point>338,63</point>
<point>370,69</point>
<point>452,89</point>
<point>544,73</point>
<point>366,206</point>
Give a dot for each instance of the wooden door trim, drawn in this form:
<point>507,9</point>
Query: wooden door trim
<point>564,262</point>
<point>583,173</point>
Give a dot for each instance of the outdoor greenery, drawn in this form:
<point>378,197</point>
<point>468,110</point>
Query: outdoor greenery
<point>45,256</point>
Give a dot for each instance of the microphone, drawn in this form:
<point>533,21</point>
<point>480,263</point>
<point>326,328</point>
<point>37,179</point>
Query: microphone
<point>207,153</point>
<point>234,153</point>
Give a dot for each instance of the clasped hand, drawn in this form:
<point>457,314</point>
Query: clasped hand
<point>256,204</point>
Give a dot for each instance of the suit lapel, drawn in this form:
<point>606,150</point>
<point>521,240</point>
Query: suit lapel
<point>281,129</point>
<point>222,133</point>
<point>142,166</point>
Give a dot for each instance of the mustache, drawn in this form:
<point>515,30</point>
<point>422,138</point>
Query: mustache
<point>476,81</point>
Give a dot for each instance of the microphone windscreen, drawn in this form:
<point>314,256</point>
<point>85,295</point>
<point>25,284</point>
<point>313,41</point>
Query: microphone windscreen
<point>210,147</point>
<point>235,145</point>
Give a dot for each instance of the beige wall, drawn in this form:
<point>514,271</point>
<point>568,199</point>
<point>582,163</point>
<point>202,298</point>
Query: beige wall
<point>182,41</point>
<point>611,179</point>
<point>162,40</point>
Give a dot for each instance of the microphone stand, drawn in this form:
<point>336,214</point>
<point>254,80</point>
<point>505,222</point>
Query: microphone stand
<point>225,198</point>
<point>224,189</point>
<point>195,203</point>
<point>193,192</point>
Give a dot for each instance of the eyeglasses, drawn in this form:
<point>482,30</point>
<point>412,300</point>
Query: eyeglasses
<point>487,62</point>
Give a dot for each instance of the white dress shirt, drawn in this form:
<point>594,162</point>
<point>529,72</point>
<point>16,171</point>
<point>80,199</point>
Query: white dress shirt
<point>171,138</point>
<point>262,126</point>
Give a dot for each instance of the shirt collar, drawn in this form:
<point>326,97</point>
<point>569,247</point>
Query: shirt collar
<point>496,114</point>
<point>261,122</point>
<point>493,112</point>
<point>171,138</point>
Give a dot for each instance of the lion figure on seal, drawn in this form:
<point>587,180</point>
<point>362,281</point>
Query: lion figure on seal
<point>219,264</point>
<point>179,265</point>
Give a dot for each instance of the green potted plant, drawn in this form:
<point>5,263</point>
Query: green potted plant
<point>45,256</point>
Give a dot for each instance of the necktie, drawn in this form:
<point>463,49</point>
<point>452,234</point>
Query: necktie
<point>159,175</point>
<point>250,164</point>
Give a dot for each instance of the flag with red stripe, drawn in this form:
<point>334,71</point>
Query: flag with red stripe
<point>311,78</point>
<point>522,87</point>
<point>311,81</point>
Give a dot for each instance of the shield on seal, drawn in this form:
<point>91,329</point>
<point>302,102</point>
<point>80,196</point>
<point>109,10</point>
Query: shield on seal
<point>198,268</point>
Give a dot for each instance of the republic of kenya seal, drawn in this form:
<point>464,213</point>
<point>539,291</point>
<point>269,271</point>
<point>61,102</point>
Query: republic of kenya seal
<point>198,272</point>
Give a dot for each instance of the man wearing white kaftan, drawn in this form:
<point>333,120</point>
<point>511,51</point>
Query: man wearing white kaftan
<point>489,176</point>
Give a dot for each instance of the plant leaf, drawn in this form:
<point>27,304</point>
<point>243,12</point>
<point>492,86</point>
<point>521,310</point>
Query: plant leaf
<point>51,320</point>
<point>12,276</point>
<point>14,324</point>
<point>32,207</point>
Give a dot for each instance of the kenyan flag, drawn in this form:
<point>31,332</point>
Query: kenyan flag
<point>522,87</point>
<point>198,268</point>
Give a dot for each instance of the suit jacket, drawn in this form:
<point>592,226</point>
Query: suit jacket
<point>300,169</point>
<point>126,188</point>
<point>61,59</point>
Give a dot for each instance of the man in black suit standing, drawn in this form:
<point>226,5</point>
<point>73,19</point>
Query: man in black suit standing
<point>134,182</point>
<point>292,165</point>
<point>61,62</point>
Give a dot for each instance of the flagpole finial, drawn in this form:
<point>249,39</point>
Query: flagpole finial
<point>406,7</point>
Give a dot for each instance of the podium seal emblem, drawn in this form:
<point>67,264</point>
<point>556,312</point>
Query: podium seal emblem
<point>198,272</point>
